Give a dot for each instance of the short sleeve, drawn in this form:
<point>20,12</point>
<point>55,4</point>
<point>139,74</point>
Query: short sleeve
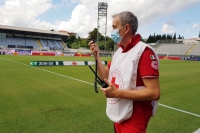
<point>148,66</point>
<point>109,64</point>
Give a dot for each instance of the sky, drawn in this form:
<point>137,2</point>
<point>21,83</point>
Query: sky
<point>80,16</point>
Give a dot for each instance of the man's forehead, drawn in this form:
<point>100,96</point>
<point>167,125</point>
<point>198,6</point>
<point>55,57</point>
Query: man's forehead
<point>116,21</point>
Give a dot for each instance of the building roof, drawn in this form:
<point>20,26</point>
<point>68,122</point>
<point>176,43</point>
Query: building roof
<point>64,31</point>
<point>192,38</point>
<point>14,29</point>
<point>70,33</point>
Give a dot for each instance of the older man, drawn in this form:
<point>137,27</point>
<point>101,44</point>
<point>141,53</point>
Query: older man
<point>132,76</point>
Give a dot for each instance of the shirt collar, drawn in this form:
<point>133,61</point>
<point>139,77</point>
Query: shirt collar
<point>134,40</point>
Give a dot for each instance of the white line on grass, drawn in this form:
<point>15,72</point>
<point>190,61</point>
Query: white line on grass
<point>49,71</point>
<point>197,131</point>
<point>93,84</point>
<point>179,110</point>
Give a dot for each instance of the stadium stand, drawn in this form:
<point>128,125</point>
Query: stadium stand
<point>19,41</point>
<point>44,43</point>
<point>187,47</point>
<point>173,49</point>
<point>19,37</point>
<point>195,50</point>
<point>52,44</point>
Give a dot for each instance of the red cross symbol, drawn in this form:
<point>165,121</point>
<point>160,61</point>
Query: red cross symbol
<point>74,63</point>
<point>113,81</point>
<point>154,64</point>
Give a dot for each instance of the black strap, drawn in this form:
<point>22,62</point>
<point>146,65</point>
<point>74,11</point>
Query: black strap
<point>98,79</point>
<point>95,79</point>
<point>102,83</point>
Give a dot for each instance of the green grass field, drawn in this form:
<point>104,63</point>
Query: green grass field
<point>35,100</point>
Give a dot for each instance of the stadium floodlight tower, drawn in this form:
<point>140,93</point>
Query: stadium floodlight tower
<point>102,20</point>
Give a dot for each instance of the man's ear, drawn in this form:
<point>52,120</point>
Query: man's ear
<point>127,28</point>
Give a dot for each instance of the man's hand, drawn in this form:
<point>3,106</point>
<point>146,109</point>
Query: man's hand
<point>93,48</point>
<point>111,91</point>
<point>151,91</point>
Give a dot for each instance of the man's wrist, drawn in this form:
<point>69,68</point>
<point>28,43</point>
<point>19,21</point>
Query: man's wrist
<point>119,93</point>
<point>97,56</point>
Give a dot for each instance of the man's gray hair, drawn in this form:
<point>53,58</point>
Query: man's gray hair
<point>127,17</point>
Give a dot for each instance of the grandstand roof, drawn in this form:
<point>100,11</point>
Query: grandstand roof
<point>29,31</point>
<point>70,33</point>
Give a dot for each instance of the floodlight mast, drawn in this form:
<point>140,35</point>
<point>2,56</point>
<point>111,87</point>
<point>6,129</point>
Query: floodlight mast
<point>102,20</point>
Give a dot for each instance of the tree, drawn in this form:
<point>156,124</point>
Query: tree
<point>149,40</point>
<point>109,43</point>
<point>174,36</point>
<point>179,37</point>
<point>101,47</point>
<point>93,34</point>
<point>70,40</point>
<point>154,37</point>
<point>163,37</point>
<point>142,40</point>
<point>84,43</point>
<point>158,37</point>
<point>169,36</point>
<point>75,45</point>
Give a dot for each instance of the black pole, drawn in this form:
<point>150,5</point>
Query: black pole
<point>96,67</point>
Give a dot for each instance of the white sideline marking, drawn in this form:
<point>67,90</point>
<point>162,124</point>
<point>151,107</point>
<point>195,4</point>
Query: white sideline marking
<point>186,112</point>
<point>49,71</point>
<point>179,110</point>
<point>197,131</point>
